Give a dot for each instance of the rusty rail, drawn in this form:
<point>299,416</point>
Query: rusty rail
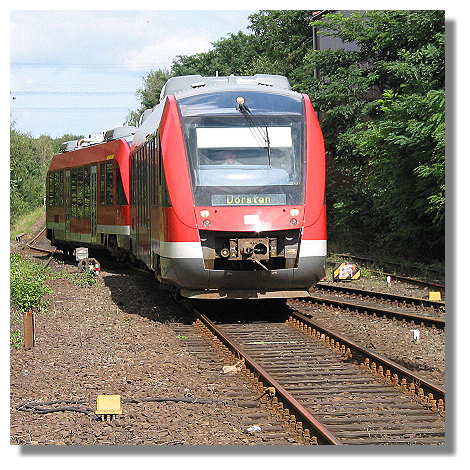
<point>381,295</point>
<point>36,248</point>
<point>319,430</point>
<point>427,320</point>
<point>430,393</point>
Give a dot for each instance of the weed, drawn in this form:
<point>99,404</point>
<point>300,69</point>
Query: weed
<point>181,337</point>
<point>16,339</point>
<point>366,273</point>
<point>85,279</point>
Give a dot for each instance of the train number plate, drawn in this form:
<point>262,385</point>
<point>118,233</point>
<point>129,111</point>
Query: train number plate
<point>248,199</point>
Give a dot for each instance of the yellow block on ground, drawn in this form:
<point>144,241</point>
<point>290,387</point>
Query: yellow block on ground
<point>435,296</point>
<point>108,405</point>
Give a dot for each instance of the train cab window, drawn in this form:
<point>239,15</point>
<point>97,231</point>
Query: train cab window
<point>252,156</point>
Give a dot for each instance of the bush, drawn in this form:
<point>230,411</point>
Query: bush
<point>85,279</point>
<point>27,283</point>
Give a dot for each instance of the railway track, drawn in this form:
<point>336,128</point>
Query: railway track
<point>328,389</point>
<point>329,301</point>
<point>33,243</point>
<point>386,296</point>
<point>410,280</point>
<point>252,411</point>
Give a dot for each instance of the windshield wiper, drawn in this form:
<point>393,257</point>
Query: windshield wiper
<point>245,111</point>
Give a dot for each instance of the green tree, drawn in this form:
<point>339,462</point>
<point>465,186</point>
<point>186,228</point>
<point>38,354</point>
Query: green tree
<point>382,110</point>
<point>29,161</point>
<point>149,93</point>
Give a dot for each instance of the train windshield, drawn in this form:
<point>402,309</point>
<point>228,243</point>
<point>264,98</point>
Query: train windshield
<point>246,160</point>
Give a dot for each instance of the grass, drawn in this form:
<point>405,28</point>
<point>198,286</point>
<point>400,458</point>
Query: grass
<point>28,283</point>
<point>26,223</point>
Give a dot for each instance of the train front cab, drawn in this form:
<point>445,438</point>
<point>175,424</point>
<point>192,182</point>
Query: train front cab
<point>251,228</point>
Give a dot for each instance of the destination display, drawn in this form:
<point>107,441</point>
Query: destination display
<point>248,199</point>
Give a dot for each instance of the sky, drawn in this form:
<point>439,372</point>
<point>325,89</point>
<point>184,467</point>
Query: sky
<point>65,81</point>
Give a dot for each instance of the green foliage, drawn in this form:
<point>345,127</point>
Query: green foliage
<point>29,160</point>
<point>16,339</point>
<point>383,115</point>
<point>85,279</point>
<point>149,94</point>
<point>27,283</point>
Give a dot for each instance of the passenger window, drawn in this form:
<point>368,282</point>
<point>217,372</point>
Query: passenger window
<point>109,184</point>
<point>120,194</point>
<point>102,183</point>
<point>86,192</point>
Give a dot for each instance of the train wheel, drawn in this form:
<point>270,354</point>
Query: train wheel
<point>175,295</point>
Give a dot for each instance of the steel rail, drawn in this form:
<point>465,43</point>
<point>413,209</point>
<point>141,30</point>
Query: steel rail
<point>410,280</point>
<point>420,282</point>
<point>36,236</point>
<point>427,320</point>
<point>381,295</point>
<point>379,360</point>
<point>36,248</point>
<point>371,261</point>
<point>324,435</point>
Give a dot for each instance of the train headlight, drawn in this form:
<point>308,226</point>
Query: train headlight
<point>206,223</point>
<point>204,213</point>
<point>293,221</point>
<point>294,212</point>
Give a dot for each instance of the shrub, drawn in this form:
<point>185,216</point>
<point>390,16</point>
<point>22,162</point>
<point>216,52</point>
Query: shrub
<point>27,283</point>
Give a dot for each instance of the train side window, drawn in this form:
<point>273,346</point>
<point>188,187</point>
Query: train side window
<point>102,184</point>
<point>109,183</point>
<point>79,195</point>
<point>73,192</point>
<point>120,194</point>
<point>86,193</point>
<point>56,188</point>
<point>49,190</point>
<point>60,192</point>
<point>154,171</point>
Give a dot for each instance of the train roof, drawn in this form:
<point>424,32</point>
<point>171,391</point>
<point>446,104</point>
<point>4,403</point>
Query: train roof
<point>188,85</point>
<point>194,84</point>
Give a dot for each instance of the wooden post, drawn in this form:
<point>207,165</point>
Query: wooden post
<point>28,329</point>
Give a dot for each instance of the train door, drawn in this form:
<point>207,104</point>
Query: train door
<point>146,219</point>
<point>67,204</point>
<point>142,221</point>
<point>93,201</point>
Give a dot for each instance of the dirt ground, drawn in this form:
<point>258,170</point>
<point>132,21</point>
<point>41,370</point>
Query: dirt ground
<point>117,338</point>
<point>120,337</point>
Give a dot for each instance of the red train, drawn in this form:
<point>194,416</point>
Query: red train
<point>220,191</point>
